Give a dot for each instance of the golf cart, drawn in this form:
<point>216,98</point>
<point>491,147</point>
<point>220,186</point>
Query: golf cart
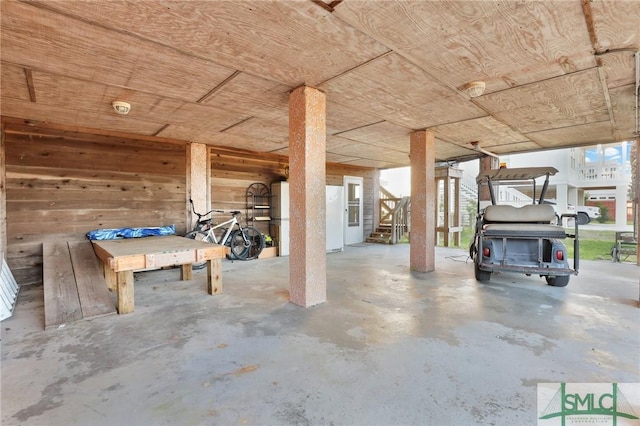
<point>521,239</point>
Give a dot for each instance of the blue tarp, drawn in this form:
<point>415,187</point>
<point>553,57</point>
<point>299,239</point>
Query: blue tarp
<point>119,233</point>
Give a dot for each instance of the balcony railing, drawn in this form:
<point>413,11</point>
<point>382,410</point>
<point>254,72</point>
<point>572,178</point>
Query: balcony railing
<point>603,173</point>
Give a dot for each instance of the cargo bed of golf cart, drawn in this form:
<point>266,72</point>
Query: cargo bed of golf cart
<point>525,239</point>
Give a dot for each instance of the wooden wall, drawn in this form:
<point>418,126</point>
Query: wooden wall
<point>232,172</point>
<point>62,186</point>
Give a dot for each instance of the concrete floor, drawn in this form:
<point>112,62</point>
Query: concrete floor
<point>390,347</point>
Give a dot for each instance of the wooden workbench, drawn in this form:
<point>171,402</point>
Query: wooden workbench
<point>120,258</point>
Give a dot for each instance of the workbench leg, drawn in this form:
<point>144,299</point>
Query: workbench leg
<point>110,277</point>
<point>214,276</point>
<point>125,292</point>
<point>186,273</point>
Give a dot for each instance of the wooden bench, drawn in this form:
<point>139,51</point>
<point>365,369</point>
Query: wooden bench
<point>74,285</point>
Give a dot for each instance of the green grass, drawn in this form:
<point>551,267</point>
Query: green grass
<point>594,245</point>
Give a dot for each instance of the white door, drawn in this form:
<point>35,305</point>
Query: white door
<point>353,228</point>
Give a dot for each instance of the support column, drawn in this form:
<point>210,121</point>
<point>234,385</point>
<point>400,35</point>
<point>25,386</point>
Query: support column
<point>562,194</point>
<point>486,163</point>
<point>621,206</point>
<point>198,181</point>
<point>572,196</point>
<point>3,199</point>
<point>307,208</point>
<point>636,193</point>
<point>423,201</point>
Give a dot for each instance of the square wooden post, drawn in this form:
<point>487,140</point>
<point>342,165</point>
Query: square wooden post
<point>486,163</point>
<point>307,208</point>
<point>423,201</point>
<point>198,180</point>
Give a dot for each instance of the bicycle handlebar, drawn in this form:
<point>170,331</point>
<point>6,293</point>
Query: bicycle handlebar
<point>200,216</point>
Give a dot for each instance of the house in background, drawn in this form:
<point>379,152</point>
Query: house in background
<point>594,175</point>
<point>597,175</point>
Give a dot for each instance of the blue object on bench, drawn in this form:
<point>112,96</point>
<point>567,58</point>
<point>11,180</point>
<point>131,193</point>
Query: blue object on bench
<point>119,233</point>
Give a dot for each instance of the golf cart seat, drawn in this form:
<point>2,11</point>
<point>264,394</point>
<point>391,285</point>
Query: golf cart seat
<point>530,221</point>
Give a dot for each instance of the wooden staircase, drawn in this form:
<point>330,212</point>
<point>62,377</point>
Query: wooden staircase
<point>381,235</point>
<point>394,219</point>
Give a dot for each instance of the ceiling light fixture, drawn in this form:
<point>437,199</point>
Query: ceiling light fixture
<point>121,107</point>
<point>475,88</point>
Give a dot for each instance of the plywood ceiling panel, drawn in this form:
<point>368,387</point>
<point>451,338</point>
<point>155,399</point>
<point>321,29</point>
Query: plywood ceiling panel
<point>400,91</point>
<point>258,129</point>
<point>57,92</point>
<point>616,23</point>
<point>340,145</point>
<point>43,40</point>
<point>256,36</point>
<point>330,156</point>
<point>618,67</point>
<point>513,148</point>
<point>487,131</point>
<point>221,72</point>
<point>111,122</point>
<point>237,141</point>
<point>570,100</point>
<point>463,41</point>
<point>341,118</point>
<point>205,117</point>
<point>384,134</point>
<point>592,133</point>
<point>378,164</point>
<point>253,96</point>
<point>62,92</point>
<point>445,150</point>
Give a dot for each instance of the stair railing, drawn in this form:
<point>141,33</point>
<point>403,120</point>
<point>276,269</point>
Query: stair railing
<point>388,202</point>
<point>400,219</point>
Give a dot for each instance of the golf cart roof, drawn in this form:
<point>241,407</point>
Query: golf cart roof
<point>524,173</point>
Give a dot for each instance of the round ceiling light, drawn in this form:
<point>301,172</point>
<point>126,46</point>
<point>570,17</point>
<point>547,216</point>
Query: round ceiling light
<point>475,88</point>
<point>121,107</point>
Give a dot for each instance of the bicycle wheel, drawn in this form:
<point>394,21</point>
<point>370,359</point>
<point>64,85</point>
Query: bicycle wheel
<point>247,244</point>
<point>198,236</point>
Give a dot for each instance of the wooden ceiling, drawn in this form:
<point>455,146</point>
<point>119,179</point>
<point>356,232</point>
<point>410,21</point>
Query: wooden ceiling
<point>557,73</point>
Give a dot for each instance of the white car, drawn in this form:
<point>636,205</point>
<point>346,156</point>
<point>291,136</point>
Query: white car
<point>584,213</point>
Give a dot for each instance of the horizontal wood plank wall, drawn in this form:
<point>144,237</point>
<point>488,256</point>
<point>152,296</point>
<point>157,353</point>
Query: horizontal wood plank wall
<point>232,172</point>
<point>59,187</point>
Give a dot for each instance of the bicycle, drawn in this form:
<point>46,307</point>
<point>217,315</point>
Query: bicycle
<point>245,243</point>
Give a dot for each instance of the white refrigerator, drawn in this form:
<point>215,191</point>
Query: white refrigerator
<point>334,211</point>
<point>335,218</point>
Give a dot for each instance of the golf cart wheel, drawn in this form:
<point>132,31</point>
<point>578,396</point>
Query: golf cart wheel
<point>558,281</point>
<point>583,218</point>
<point>482,276</point>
